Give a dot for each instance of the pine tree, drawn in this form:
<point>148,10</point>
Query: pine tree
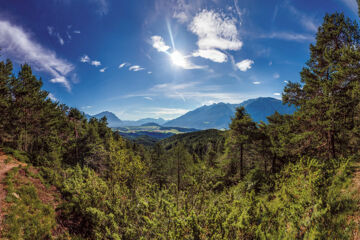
<point>26,107</point>
<point>325,97</point>
<point>242,132</point>
<point>5,99</point>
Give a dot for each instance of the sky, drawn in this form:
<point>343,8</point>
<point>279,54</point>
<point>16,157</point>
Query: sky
<point>162,58</point>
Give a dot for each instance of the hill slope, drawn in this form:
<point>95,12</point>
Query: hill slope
<point>219,115</point>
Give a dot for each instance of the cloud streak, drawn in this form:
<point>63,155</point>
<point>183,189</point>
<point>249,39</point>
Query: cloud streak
<point>17,43</point>
<point>136,68</point>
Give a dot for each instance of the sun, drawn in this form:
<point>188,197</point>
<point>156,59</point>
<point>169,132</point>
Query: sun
<point>178,59</point>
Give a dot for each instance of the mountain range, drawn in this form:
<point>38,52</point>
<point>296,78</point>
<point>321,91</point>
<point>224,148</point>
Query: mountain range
<point>114,121</point>
<point>216,116</point>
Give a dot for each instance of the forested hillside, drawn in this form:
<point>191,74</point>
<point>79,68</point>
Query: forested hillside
<point>288,178</point>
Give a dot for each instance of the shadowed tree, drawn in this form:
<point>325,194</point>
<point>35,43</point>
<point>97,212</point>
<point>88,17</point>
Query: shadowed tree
<point>328,93</point>
<point>242,132</point>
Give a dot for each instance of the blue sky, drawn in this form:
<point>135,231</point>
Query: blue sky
<point>162,58</point>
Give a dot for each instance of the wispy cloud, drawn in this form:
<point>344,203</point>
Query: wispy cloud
<point>103,69</point>
<point>148,98</point>
<point>76,31</point>
<point>167,111</point>
<point>245,65</point>
<point>136,68</point>
<point>211,54</point>
<point>61,40</point>
<point>215,32</point>
<point>86,107</point>
<point>289,36</point>
<point>159,44</point>
<point>308,22</point>
<point>85,59</point>
<point>352,5</point>
<point>125,64</point>
<point>95,63</point>
<point>276,75</point>
<point>149,72</point>
<point>51,31</point>
<point>256,83</point>
<point>102,7</point>
<point>277,94</point>
<point>17,43</point>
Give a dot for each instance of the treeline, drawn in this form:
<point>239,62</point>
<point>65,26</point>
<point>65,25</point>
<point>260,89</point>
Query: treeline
<point>283,179</point>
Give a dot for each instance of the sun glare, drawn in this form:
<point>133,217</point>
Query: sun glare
<point>178,59</point>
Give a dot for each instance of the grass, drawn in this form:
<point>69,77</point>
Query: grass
<point>27,217</point>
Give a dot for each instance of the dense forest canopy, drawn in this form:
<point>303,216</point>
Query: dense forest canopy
<point>281,179</point>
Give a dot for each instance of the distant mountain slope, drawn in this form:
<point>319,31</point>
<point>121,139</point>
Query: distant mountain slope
<point>219,115</point>
<point>262,107</point>
<point>140,122</point>
<point>112,119</point>
<point>213,116</point>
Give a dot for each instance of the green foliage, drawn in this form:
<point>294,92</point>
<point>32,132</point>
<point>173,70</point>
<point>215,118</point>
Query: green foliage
<point>27,217</point>
<point>285,179</point>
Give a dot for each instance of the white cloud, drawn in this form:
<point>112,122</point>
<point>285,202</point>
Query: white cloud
<point>148,98</point>
<point>149,72</point>
<point>256,83</point>
<point>52,97</point>
<point>16,43</point>
<point>136,68</point>
<point>95,63</point>
<point>125,64</point>
<point>285,81</point>
<point>289,36</point>
<point>159,44</point>
<point>76,31</point>
<point>212,54</point>
<point>277,94</point>
<point>276,76</point>
<point>270,63</point>
<point>182,61</point>
<point>215,31</point>
<point>103,69</point>
<point>245,65</point>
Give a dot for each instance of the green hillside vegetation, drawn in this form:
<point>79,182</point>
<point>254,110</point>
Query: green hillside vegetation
<point>285,179</point>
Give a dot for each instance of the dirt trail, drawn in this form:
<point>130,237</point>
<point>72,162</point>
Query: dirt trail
<point>5,167</point>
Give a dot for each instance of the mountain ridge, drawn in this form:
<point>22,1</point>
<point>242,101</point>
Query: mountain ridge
<point>217,115</point>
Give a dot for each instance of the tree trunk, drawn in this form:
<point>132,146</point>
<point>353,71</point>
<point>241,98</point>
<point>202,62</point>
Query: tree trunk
<point>241,160</point>
<point>273,164</point>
